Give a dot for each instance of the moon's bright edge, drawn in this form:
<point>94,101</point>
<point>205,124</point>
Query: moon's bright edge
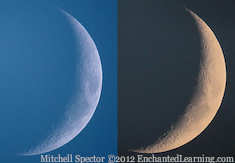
<point>82,106</point>
<point>206,99</point>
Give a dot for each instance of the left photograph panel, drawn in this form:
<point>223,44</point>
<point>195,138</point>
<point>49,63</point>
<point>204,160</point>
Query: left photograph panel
<point>58,84</point>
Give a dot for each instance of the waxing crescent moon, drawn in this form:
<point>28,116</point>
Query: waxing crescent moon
<point>82,106</point>
<point>206,98</point>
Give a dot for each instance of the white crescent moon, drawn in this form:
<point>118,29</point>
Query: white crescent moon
<point>206,98</point>
<point>82,106</point>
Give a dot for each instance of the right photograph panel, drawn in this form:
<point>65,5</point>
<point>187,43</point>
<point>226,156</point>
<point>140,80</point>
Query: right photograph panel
<point>175,75</point>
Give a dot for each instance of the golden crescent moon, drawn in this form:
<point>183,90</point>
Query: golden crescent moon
<point>206,98</point>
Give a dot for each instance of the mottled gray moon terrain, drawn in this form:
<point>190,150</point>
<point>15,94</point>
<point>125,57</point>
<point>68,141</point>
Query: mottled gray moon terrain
<point>155,126</point>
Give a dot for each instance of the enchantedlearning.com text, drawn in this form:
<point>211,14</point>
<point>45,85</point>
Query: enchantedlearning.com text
<point>176,159</point>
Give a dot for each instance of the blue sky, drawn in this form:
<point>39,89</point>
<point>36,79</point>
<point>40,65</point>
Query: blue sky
<point>36,68</point>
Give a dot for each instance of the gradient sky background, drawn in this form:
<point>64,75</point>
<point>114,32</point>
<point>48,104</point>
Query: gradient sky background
<point>36,68</point>
<point>158,60</point>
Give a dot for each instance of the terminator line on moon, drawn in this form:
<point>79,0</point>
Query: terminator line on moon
<point>82,106</point>
<point>207,96</point>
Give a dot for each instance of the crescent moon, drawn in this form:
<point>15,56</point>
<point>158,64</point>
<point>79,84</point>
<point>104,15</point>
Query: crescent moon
<point>82,106</point>
<point>206,98</point>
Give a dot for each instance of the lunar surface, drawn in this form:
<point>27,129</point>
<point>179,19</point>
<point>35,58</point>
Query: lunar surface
<point>82,106</point>
<point>206,99</point>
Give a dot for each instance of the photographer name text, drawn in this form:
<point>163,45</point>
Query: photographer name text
<point>70,158</point>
